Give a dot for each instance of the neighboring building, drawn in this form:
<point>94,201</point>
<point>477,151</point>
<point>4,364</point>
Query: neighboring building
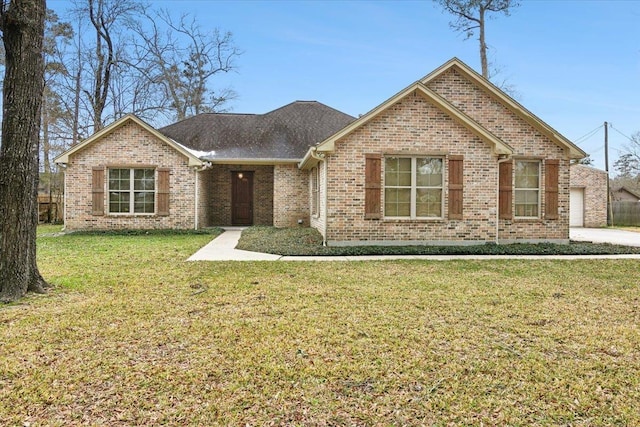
<point>450,159</point>
<point>588,199</point>
<point>624,194</point>
<point>49,208</point>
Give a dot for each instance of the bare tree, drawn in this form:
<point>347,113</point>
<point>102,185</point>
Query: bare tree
<point>54,116</point>
<point>471,15</point>
<point>628,165</point>
<point>180,59</point>
<point>22,25</point>
<point>107,19</point>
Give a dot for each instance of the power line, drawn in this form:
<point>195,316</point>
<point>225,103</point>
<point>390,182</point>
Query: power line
<point>628,137</point>
<point>588,135</point>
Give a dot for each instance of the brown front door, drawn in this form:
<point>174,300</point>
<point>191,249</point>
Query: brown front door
<point>242,198</point>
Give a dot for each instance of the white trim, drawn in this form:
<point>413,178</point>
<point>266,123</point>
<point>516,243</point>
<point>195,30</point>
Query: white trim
<point>64,157</point>
<point>247,161</point>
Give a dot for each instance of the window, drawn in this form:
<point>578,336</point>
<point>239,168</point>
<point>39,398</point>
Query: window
<point>413,187</point>
<point>527,189</point>
<point>315,191</point>
<point>132,191</point>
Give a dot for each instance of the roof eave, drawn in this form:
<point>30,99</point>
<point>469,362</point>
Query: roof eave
<point>252,161</point>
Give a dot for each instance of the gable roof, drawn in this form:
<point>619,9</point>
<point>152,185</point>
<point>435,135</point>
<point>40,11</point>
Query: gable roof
<point>493,91</point>
<point>192,156</point>
<point>328,145</point>
<point>500,146</point>
<point>633,193</point>
<point>284,134</point>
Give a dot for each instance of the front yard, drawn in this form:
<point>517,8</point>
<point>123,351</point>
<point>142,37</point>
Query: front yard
<point>133,335</point>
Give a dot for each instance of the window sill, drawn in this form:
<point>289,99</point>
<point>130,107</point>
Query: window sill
<point>128,215</point>
<point>414,220</point>
<point>529,220</point>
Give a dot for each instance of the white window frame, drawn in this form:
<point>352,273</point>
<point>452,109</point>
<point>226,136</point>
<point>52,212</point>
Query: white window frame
<point>414,188</point>
<point>518,189</point>
<point>132,192</point>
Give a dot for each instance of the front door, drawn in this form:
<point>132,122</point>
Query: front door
<point>242,198</point>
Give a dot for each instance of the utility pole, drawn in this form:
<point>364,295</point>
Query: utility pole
<point>606,147</point>
<point>606,168</point>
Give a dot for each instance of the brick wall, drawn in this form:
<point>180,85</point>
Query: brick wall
<point>291,196</point>
<point>203,205</point>
<point>415,127</point>
<point>217,193</point>
<point>128,145</point>
<point>524,139</point>
<point>594,183</point>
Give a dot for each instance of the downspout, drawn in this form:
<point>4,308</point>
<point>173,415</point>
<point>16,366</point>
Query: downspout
<point>205,166</point>
<point>195,204</point>
<point>321,159</point>
<point>326,202</point>
<point>505,159</point>
<point>64,198</point>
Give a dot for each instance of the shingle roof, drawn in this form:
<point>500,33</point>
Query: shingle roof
<point>285,133</point>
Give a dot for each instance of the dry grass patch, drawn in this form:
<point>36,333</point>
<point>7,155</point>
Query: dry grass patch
<point>133,335</point>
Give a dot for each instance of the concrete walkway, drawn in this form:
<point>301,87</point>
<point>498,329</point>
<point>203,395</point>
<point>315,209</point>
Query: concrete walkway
<point>605,235</point>
<point>222,248</point>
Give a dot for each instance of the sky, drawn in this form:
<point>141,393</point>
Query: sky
<point>574,64</point>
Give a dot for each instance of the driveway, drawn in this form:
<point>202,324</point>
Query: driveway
<point>605,235</point>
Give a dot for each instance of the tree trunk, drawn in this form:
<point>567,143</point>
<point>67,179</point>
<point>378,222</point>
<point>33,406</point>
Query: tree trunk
<point>483,45</point>
<point>22,24</point>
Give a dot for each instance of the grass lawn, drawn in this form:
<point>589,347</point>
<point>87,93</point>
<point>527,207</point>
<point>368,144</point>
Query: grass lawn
<point>133,335</point>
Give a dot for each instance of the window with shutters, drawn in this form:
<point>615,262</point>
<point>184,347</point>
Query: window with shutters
<point>132,191</point>
<point>527,189</point>
<point>413,187</point>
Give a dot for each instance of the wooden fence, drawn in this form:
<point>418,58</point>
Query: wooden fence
<point>626,213</point>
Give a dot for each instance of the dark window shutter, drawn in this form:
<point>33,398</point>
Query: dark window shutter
<point>163,191</point>
<point>456,178</point>
<point>551,188</point>
<point>505,190</point>
<point>372,187</point>
<point>97,191</point>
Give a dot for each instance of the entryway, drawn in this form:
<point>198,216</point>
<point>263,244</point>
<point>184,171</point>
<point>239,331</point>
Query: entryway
<point>576,207</point>
<point>242,198</point>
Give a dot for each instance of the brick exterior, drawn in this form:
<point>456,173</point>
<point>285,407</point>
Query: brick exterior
<point>291,197</point>
<point>217,194</point>
<point>128,146</point>
<point>594,183</point>
<point>415,127</point>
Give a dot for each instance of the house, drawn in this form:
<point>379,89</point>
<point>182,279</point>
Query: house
<point>450,159</point>
<point>624,194</point>
<point>588,196</point>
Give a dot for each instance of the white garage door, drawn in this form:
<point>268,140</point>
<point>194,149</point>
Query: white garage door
<point>576,207</point>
